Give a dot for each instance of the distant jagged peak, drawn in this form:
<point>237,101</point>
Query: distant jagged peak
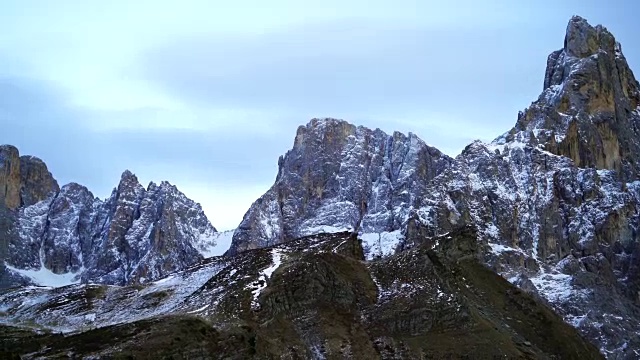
<point>167,186</point>
<point>32,159</point>
<point>322,130</point>
<point>329,130</point>
<point>152,186</point>
<point>74,187</point>
<point>326,122</point>
<point>130,189</point>
<point>128,175</point>
<point>339,176</point>
<point>128,180</point>
<point>135,235</point>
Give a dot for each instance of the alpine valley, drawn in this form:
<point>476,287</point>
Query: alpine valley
<point>368,245</point>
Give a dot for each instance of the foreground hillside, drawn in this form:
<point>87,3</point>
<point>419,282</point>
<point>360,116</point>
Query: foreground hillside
<point>311,298</point>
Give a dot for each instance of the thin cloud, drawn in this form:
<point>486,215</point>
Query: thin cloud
<point>36,118</point>
<point>343,67</point>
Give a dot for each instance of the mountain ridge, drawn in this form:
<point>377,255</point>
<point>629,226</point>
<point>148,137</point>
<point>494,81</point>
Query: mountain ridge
<point>65,234</point>
<point>554,205</point>
<point>557,198</point>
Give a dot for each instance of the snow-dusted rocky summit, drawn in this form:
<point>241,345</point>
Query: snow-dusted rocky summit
<point>56,236</point>
<point>556,200</point>
<point>340,177</point>
<point>588,111</point>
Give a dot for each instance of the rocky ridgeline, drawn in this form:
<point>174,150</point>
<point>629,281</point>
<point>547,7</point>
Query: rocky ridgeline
<point>556,199</point>
<point>55,236</point>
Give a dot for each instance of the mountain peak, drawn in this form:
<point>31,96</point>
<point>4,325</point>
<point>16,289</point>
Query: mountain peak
<point>166,184</point>
<point>323,122</point>
<point>24,180</point>
<point>9,176</point>
<point>323,130</point>
<point>340,177</point>
<point>582,39</point>
<point>6,148</point>
<point>74,187</point>
<point>37,183</point>
<point>133,236</point>
<point>127,174</point>
<point>588,110</point>
<point>129,180</point>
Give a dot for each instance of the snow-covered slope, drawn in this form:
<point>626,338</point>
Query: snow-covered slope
<point>565,233</point>
<point>194,290</point>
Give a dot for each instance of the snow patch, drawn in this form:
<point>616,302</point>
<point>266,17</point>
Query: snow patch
<point>46,277</point>
<point>554,287</point>
<point>381,244</point>
<point>217,244</point>
<point>499,249</point>
<point>265,275</point>
<point>198,310</point>
<point>325,229</point>
<point>492,231</point>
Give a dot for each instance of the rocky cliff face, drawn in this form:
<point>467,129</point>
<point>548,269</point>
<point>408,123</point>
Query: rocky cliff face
<point>36,182</point>
<point>556,199</point>
<point>58,236</point>
<point>588,110</point>
<point>341,177</point>
<point>10,177</point>
<point>565,233</point>
<point>24,180</point>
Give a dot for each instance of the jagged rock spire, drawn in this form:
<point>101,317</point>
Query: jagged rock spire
<point>588,110</point>
<point>24,180</point>
<point>9,176</point>
<point>582,39</point>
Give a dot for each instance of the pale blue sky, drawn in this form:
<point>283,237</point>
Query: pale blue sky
<point>208,94</point>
